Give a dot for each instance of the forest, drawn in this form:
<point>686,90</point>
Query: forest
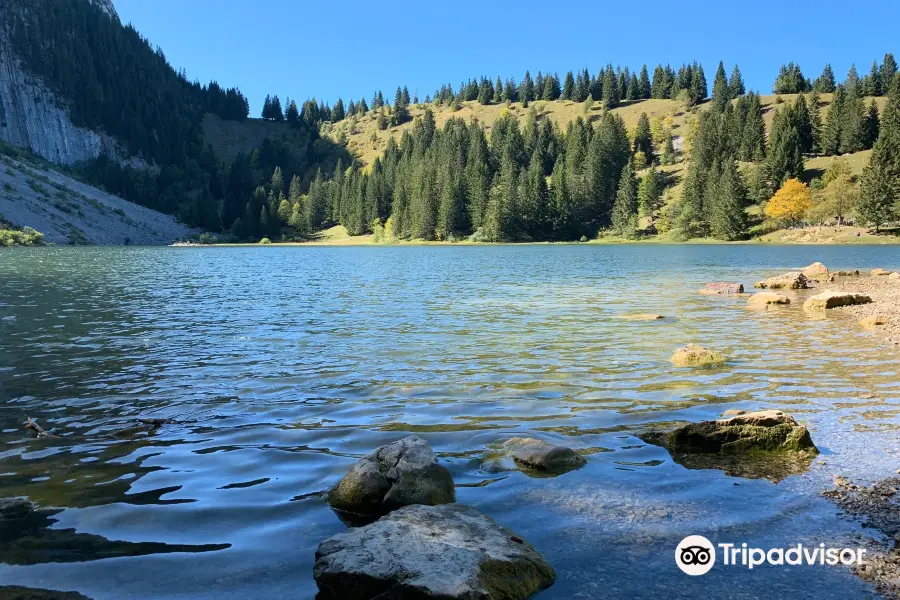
<point>511,180</point>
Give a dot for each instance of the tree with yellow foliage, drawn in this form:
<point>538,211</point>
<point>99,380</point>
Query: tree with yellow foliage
<point>790,203</point>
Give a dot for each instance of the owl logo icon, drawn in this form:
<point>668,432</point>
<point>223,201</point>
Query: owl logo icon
<point>695,555</point>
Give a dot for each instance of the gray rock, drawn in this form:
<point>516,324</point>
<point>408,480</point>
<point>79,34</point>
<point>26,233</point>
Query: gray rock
<point>446,552</point>
<point>15,508</point>
<point>794,280</point>
<point>538,454</point>
<point>392,476</point>
<point>721,287</point>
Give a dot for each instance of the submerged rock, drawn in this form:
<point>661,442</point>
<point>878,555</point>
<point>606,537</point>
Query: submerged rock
<point>539,455</point>
<point>644,317</point>
<point>766,298</point>
<point>765,431</point>
<point>795,280</point>
<point>392,476</point>
<point>721,287</point>
<point>446,552</point>
<point>816,271</point>
<point>873,321</point>
<point>693,355</point>
<point>829,299</point>
<point>15,508</point>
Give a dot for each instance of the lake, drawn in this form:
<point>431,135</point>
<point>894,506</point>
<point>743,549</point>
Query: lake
<point>280,367</point>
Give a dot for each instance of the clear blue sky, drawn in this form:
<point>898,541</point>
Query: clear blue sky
<point>350,48</point>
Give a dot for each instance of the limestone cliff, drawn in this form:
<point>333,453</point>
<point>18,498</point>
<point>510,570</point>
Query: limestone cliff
<point>32,117</point>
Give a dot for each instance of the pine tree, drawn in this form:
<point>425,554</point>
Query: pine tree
<point>825,83</point>
<point>660,86</point>
<point>533,199</point>
<point>526,90</point>
<point>610,88</point>
<point>699,90</point>
<point>267,108</point>
<point>405,97</point>
<point>753,140</point>
<point>872,82</point>
<point>568,91</point>
<point>498,92</point>
<point>650,193</point>
<point>736,83</point>
<point>644,86</point>
<point>643,139</point>
<point>879,200</point>
<point>790,80</point>
<point>338,113</point>
<point>625,209</point>
<point>831,136</point>
<point>784,155</point>
<point>291,114</point>
<point>721,91</point>
<point>815,122</point>
<point>634,91</point>
<point>477,175</point>
<point>277,113</point>
<point>727,218</point>
<point>888,70</point>
<point>804,125</point>
<point>870,126</point>
<point>853,114</point>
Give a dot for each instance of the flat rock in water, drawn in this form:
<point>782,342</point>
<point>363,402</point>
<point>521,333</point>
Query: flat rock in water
<point>15,508</point>
<point>829,299</point>
<point>392,476</point>
<point>445,552</point>
<point>693,355</point>
<point>874,321</point>
<point>733,412</point>
<point>643,317</point>
<point>721,287</point>
<point>794,280</point>
<point>766,298</point>
<point>766,431</point>
<point>538,454</point>
<point>816,271</point>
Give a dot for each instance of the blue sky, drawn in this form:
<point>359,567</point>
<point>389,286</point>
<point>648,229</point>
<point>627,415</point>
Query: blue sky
<point>348,49</point>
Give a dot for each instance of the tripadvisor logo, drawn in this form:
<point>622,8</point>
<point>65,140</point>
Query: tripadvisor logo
<point>696,555</point>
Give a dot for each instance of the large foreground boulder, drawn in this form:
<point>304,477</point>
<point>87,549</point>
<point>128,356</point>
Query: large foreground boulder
<point>795,280</point>
<point>829,299</point>
<point>693,355</point>
<point>541,456</point>
<point>816,271</point>
<point>762,431</point>
<point>446,552</point>
<point>392,476</point>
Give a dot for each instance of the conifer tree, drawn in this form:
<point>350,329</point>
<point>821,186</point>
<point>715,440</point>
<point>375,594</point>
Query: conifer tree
<point>660,86</point>
<point>477,175</point>
<point>728,219</point>
<point>853,114</point>
<point>815,122</point>
<point>643,139</point>
<point>872,81</point>
<point>625,208</point>
<point>804,125</point>
<point>871,126</point>
<point>831,136</point>
<point>650,193</point>
<point>699,89</point>
<point>338,113</point>
<point>267,108</point>
<point>721,92</point>
<point>825,83</point>
<point>888,70</point>
<point>790,80</point>
<point>526,90</point>
<point>644,86</point>
<point>610,88</point>
<point>498,91</point>
<point>292,113</point>
<point>879,200</point>
<point>736,83</point>
<point>568,91</point>
<point>753,141</point>
<point>784,154</point>
<point>634,92</point>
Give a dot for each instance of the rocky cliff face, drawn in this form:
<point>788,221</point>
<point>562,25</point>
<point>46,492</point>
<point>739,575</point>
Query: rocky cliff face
<point>32,117</point>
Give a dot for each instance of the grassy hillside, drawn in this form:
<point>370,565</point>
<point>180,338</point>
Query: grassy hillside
<point>366,141</point>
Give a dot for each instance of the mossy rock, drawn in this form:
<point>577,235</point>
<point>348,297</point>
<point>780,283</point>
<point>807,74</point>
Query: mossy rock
<point>693,355</point>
